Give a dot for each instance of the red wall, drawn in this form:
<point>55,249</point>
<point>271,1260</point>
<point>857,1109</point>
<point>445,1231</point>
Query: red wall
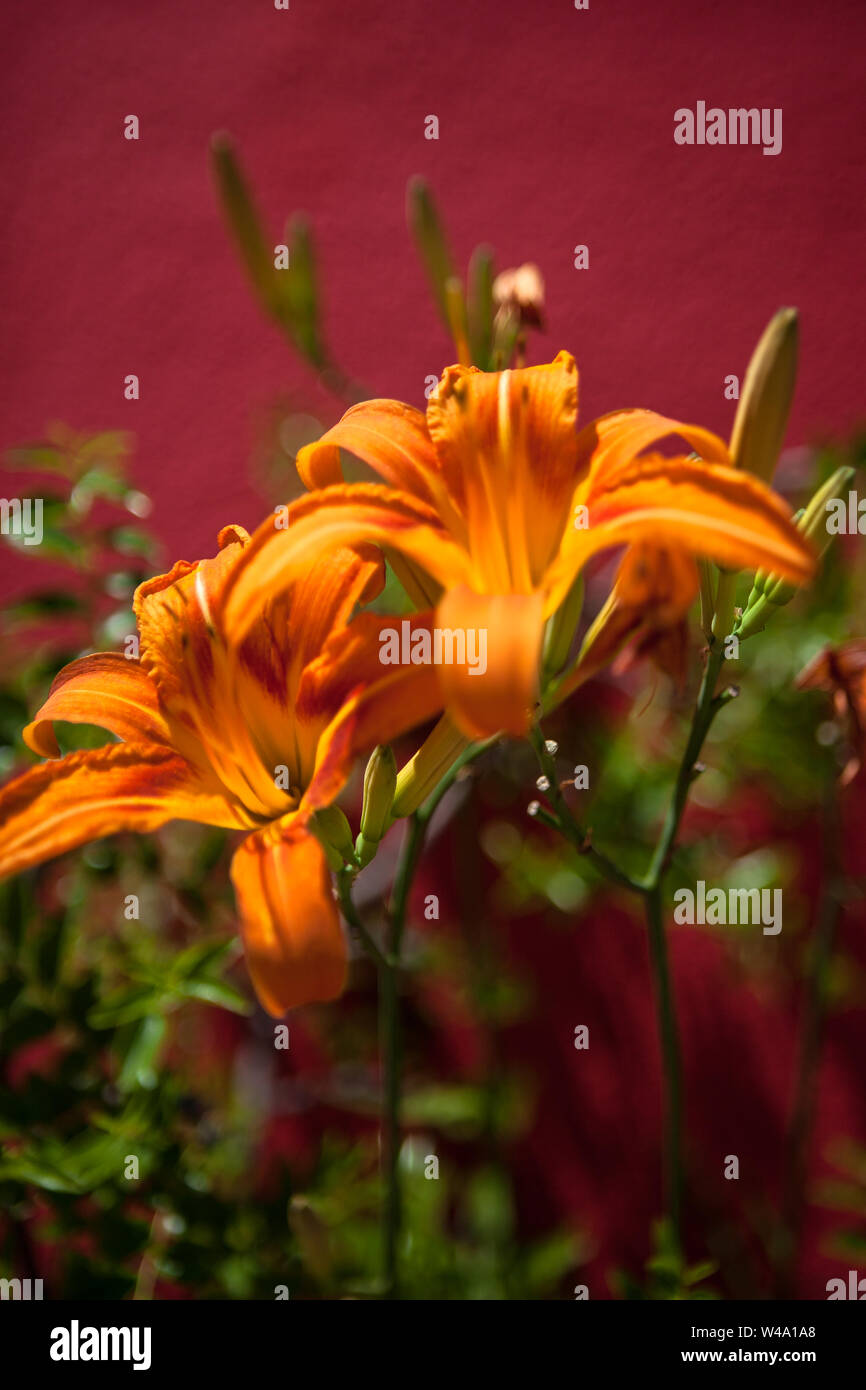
<point>556,128</point>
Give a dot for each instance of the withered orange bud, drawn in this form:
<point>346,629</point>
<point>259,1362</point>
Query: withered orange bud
<point>521,289</point>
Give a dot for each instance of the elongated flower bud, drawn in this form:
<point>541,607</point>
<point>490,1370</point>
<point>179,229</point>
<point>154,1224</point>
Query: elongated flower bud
<point>423,772</point>
<point>334,833</point>
<point>771,591</point>
<point>560,630</point>
<point>765,400</point>
<point>380,781</point>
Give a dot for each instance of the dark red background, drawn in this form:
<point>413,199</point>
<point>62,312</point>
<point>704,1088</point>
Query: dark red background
<point>556,128</point>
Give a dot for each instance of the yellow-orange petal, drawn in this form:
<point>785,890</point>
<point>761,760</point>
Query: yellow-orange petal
<point>175,614</point>
<point>369,702</point>
<point>614,440</point>
<point>294,946</point>
<point>706,509</point>
<point>107,690</point>
<point>60,805</point>
<point>496,695</point>
<point>324,521</point>
<point>654,589</point>
<point>320,603</point>
<point>508,446</point>
<point>393,440</point>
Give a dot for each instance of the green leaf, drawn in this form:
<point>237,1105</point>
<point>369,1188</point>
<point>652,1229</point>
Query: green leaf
<point>98,484</point>
<point>244,222</point>
<point>549,1261</point>
<point>429,236</point>
<point>28,1168</point>
<point>480,306</point>
<point>43,457</point>
<point>140,1062</point>
<point>445,1106</point>
<point>125,1006</point>
<point>203,955</point>
<point>301,292</point>
<point>127,540</point>
<point>216,992</point>
<point>50,603</point>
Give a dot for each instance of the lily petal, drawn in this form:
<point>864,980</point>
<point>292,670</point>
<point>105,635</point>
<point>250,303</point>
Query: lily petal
<point>393,440</point>
<point>60,805</point>
<point>654,589</point>
<point>107,690</point>
<point>508,446</point>
<point>707,509</point>
<point>615,439</point>
<point>497,695</point>
<point>348,515</point>
<point>294,946</point>
<point>175,614</point>
<point>369,702</point>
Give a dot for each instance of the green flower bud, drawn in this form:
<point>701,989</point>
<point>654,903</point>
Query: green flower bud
<point>560,630</point>
<point>334,833</point>
<point>380,781</point>
<point>765,401</point>
<point>771,591</point>
<point>423,772</point>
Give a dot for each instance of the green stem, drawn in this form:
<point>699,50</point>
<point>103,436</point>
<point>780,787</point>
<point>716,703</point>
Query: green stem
<point>706,709</point>
<point>565,822</point>
<point>392,1047</point>
<point>389,964</point>
<point>671,1059</point>
<point>344,888</point>
<point>806,1082</point>
<point>650,887</point>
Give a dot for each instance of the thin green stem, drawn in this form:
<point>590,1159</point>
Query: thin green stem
<point>392,1047</point>
<point>389,964</point>
<point>671,1059</point>
<point>565,822</point>
<point>808,1063</point>
<point>345,880</point>
<point>706,709</point>
<point>650,887</point>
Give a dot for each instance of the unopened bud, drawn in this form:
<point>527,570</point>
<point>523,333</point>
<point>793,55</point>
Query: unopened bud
<point>811,522</point>
<point>560,630</point>
<point>423,772</point>
<point>380,782</point>
<point>765,401</point>
<point>335,835</point>
<point>521,289</point>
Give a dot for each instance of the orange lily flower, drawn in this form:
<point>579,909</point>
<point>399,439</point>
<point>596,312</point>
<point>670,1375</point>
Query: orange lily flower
<point>498,499</point>
<point>256,736</point>
<point>841,671</point>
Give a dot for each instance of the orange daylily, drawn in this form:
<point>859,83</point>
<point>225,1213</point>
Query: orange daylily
<point>653,590</point>
<point>497,499</point>
<point>255,736</point>
<point>841,671</point>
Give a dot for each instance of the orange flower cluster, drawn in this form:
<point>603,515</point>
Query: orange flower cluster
<point>259,683</point>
